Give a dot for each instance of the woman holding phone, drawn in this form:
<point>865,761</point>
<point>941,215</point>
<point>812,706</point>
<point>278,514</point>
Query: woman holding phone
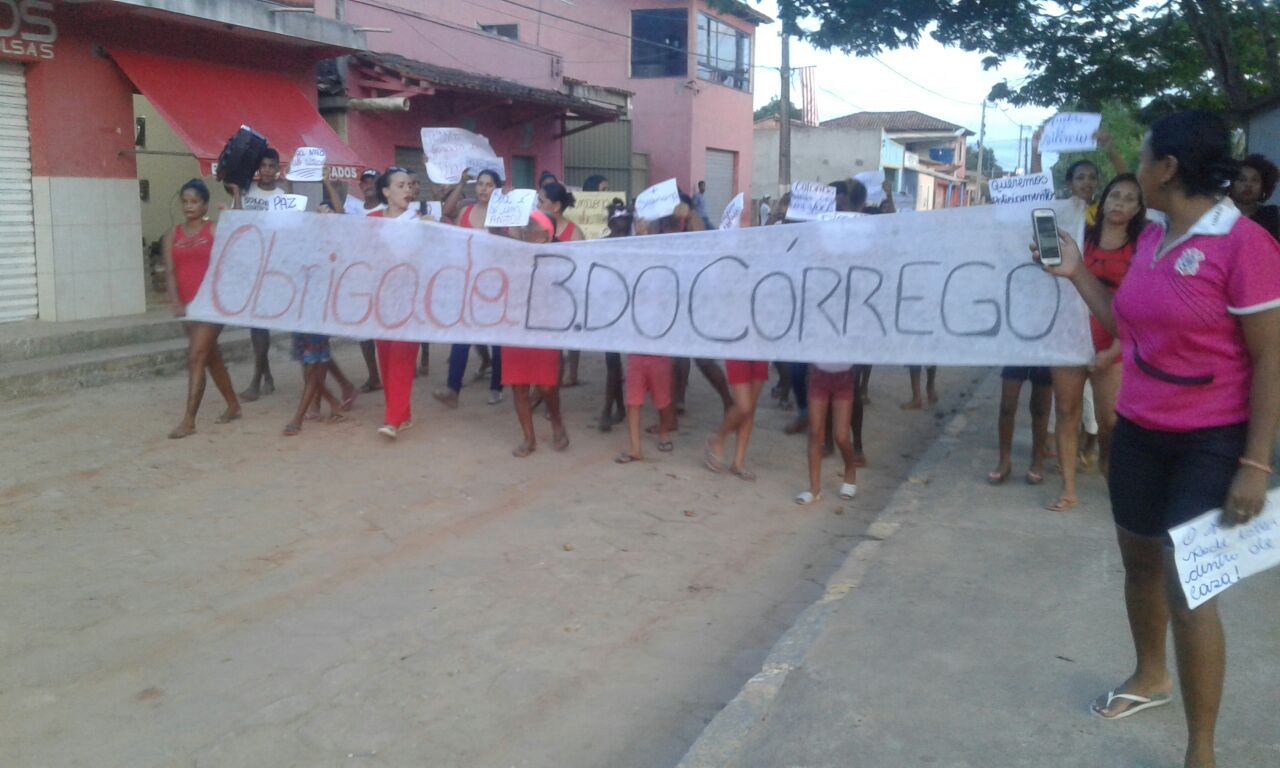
<point>1198,318</point>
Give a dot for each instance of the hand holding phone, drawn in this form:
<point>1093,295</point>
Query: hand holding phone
<point>1044,224</point>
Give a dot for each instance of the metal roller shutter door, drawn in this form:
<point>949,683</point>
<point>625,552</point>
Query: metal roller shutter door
<point>18,297</point>
<point>719,183</point>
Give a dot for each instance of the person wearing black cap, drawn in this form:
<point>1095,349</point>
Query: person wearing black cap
<point>369,203</point>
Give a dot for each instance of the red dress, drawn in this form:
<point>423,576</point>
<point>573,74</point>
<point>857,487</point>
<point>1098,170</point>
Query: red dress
<point>191,260</point>
<point>1110,267</point>
<point>567,234</point>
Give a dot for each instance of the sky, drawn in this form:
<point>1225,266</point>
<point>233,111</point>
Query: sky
<point>848,84</point>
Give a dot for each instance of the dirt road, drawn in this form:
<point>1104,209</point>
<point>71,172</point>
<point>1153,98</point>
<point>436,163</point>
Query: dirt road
<point>243,599</point>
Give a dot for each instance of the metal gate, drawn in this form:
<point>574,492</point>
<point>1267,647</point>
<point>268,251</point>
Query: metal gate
<point>603,150</point>
<point>18,294</point>
<point>719,178</point>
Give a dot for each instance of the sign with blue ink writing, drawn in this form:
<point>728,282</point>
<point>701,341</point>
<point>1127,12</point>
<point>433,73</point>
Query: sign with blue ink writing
<point>1071,132</point>
<point>1211,557</point>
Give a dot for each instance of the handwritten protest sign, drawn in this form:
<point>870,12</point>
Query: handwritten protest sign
<point>450,151</point>
<point>307,165</point>
<point>1035,187</point>
<point>480,163</point>
<point>658,201</point>
<point>870,289</point>
<point>732,217</point>
<point>510,209</point>
<point>874,182</point>
<point>1071,132</point>
<point>810,200</point>
<point>1211,558</point>
<point>590,212</point>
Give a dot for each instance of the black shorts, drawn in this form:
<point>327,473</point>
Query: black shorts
<point>1159,480</point>
<point>1038,375</point>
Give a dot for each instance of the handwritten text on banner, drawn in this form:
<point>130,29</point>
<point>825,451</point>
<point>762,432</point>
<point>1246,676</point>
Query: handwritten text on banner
<point>872,289</point>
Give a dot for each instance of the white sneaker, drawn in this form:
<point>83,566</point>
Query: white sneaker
<point>495,396</point>
<point>386,430</point>
<point>405,425</point>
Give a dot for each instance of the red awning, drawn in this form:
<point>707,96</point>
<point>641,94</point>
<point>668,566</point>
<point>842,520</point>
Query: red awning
<point>206,103</point>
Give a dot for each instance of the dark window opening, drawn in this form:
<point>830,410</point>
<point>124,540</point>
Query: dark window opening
<point>724,54</point>
<point>509,31</point>
<point>660,43</point>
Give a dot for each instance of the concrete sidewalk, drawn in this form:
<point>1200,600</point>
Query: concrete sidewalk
<point>972,628</point>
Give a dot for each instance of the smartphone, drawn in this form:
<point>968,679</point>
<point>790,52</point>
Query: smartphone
<point>1045,224</point>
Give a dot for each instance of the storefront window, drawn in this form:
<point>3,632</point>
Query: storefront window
<point>660,43</point>
<point>724,54</point>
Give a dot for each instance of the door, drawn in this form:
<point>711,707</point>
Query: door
<point>18,295</point>
<point>719,178</point>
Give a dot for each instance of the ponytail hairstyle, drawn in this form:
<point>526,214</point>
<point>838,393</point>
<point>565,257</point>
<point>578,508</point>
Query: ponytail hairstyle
<point>557,193</point>
<point>1201,143</point>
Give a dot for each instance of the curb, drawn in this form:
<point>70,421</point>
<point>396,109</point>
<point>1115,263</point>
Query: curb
<point>724,738</point>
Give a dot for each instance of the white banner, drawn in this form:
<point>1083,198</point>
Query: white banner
<point>954,287</point>
<point>510,209</point>
<point>1034,187</point>
<point>810,200</point>
<point>450,151</point>
<point>732,216</point>
<point>307,165</point>
<point>1211,558</point>
<point>1071,132</point>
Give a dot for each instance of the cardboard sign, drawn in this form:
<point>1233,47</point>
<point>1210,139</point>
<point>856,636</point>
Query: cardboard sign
<point>658,201</point>
<point>1211,558</point>
<point>732,217</point>
<point>810,200</point>
<point>590,212</point>
<point>451,151</point>
<point>869,289</point>
<point>1034,187</point>
<point>1071,132</point>
<point>307,165</point>
<point>510,209</point>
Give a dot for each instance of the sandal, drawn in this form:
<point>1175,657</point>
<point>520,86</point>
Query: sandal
<point>1034,478</point>
<point>666,447</point>
<point>348,401</point>
<point>561,441</point>
<point>370,386</point>
<point>226,417</point>
<point>848,491</point>
<point>710,459</point>
<point>522,450</point>
<point>998,478</point>
<point>742,473</point>
<point>1139,703</point>
<point>180,432</point>
<point>805,498</point>
<point>625,458</point>
<point>1062,504</point>
<point>292,429</point>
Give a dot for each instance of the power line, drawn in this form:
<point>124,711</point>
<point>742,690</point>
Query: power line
<point>925,88</point>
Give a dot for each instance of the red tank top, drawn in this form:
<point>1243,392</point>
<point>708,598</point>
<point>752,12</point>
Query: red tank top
<point>567,234</point>
<point>190,260</point>
<point>1110,267</point>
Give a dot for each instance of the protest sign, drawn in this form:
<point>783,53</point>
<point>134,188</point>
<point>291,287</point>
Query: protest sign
<point>1211,558</point>
<point>874,182</point>
<point>1034,187</point>
<point>307,165</point>
<point>590,212</point>
<point>1071,132</point>
<point>450,151</point>
<point>433,208</point>
<point>480,163</point>
<point>732,217</point>
<point>510,209</point>
<point>869,289</point>
<point>810,200</point>
<point>658,201</point>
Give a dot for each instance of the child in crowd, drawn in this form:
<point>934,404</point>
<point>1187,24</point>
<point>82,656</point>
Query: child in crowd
<point>312,350</point>
<point>649,374</point>
<point>830,387</point>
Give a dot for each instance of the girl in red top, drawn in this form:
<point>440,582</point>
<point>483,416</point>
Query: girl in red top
<point>1108,248</point>
<point>553,200</point>
<point>397,360</point>
<point>186,256</point>
<point>524,367</point>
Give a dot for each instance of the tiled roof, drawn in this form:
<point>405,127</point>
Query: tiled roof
<point>909,120</point>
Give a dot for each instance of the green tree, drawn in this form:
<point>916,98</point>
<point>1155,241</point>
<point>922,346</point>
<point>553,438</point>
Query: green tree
<point>989,165</point>
<point>1179,53</point>
<point>773,108</point>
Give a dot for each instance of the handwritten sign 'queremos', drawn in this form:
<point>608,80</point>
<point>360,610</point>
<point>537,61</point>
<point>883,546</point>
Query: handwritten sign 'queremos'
<point>1211,558</point>
<point>871,289</point>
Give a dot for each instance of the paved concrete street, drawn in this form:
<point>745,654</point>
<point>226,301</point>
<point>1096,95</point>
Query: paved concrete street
<point>243,599</point>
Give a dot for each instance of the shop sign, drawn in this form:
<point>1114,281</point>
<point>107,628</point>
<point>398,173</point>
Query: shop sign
<point>27,30</point>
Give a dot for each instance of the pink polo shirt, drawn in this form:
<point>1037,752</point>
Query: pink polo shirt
<point>1186,366</point>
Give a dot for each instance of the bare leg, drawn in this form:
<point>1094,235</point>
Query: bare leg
<point>424,367</point>
<point>714,375</point>
<point>745,399</point>
<point>222,380</point>
<point>1106,385</point>
<point>680,381</point>
<point>843,412</point>
<point>817,429</point>
<point>372,382</point>
<point>612,392</point>
<point>732,421</point>
<point>917,400</point>
<point>559,436</point>
<point>931,388</point>
<point>345,386</point>
<point>1010,390</point>
<point>312,383</point>
<point>633,430</point>
<point>1068,394</point>
<point>524,414</point>
<point>573,357</point>
<point>1041,402</point>
<point>1202,663</point>
<point>860,400</point>
<point>199,343</point>
<point>862,376</point>
<point>262,382</point>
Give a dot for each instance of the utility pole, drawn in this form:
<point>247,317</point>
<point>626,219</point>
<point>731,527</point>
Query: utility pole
<point>784,116</point>
<point>1019,160</point>
<point>982,137</point>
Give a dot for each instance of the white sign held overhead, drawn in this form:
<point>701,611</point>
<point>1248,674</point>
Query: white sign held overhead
<point>510,209</point>
<point>810,200</point>
<point>480,163</point>
<point>307,165</point>
<point>1211,558</point>
<point>657,201</point>
<point>864,289</point>
<point>450,151</point>
<point>1071,132</point>
<point>1034,187</point>
<point>732,217</point>
<point>874,182</point>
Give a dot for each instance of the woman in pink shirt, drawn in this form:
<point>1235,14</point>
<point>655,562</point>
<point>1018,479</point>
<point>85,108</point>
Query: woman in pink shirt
<point>1198,318</point>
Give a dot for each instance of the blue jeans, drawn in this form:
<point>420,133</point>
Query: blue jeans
<point>458,355</point>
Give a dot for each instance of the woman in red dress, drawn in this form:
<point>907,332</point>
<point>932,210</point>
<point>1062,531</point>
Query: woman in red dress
<point>186,255</point>
<point>524,367</point>
<point>397,360</point>
<point>553,200</point>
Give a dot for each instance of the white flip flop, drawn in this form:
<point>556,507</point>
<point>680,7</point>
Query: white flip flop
<point>1139,703</point>
<point>848,491</point>
<point>805,498</point>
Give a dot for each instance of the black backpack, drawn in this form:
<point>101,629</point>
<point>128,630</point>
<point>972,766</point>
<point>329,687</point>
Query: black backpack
<point>241,157</point>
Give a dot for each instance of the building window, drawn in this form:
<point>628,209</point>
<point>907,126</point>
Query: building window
<point>724,54</point>
<point>510,31</point>
<point>660,43</point>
